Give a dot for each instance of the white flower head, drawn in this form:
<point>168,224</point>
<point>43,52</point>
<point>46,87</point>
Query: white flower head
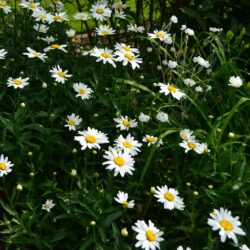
<point>128,144</point>
<point>235,81</point>
<point>150,140</point>
<point>161,35</point>
<point>17,83</point>
<point>174,19</point>
<point>100,12</point>
<point>3,53</point>
<point>119,5</point>
<point>244,247</point>
<point>3,6</point>
<point>48,39</point>
<point>58,17</point>
<point>120,161</point>
<point>128,57</point>
<point>169,197</point>
<point>189,32</point>
<point>167,88</point>
<point>104,30</point>
<point>125,123</point>
<point>122,198</point>
<point>104,55</point>
<point>81,16</point>
<point>214,30</point>
<point>41,15</point>
<point>73,121</point>
<point>198,89</point>
<point>162,117</point>
<point>228,225</point>
<point>29,5</point>
<point>70,32</point>
<point>201,61</point>
<point>5,165</point>
<point>82,90</point>
<point>122,47</point>
<point>135,28</point>
<point>56,46</point>
<point>172,64</point>
<point>59,75</point>
<point>48,205</point>
<point>183,248</point>
<point>185,134</point>
<point>34,54</point>
<point>189,82</point>
<point>91,138</point>
<point>192,144</point>
<point>148,236</point>
<point>144,118</point>
<point>41,28</point>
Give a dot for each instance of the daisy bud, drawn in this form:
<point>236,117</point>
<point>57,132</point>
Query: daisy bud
<point>141,77</point>
<point>149,49</point>
<point>73,172</point>
<point>7,222</point>
<point>231,135</point>
<point>124,232</point>
<point>211,117</point>
<point>21,73</point>
<point>55,84</point>
<point>19,187</point>
<point>188,184</point>
<point>218,130</point>
<point>248,85</point>
<point>30,154</point>
<point>155,84</point>
<point>152,190</point>
<point>94,152</point>
<point>74,151</point>
<point>32,174</point>
<point>54,173</point>
<point>96,175</point>
<point>159,67</point>
<point>210,186</point>
<point>92,223</point>
<point>22,105</point>
<point>195,193</point>
<point>96,115</point>
<point>44,85</point>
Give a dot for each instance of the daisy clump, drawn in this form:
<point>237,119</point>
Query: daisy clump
<point>227,225</point>
<point>148,236</point>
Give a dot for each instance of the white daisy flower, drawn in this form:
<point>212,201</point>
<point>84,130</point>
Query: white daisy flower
<point>34,54</point>
<point>201,61</point>
<point>3,53</point>
<point>41,28</point>
<point>91,138</point>
<point>41,15</point>
<point>120,14</point>
<point>48,39</point>
<point>17,82</point>
<point>104,55</point>
<point>81,16</point>
<point>48,205</point>
<point>244,247</point>
<point>125,123</point>
<point>29,5</point>
<point>169,197</point>
<point>235,81</point>
<point>59,74</point>
<point>73,121</point>
<point>152,140</point>
<point>185,134</point>
<point>3,6</point>
<point>192,144</point>
<point>119,5</point>
<point>135,28</point>
<point>148,236</point>
<point>172,64</point>
<point>122,198</point>
<point>167,88</point>
<point>125,48</point>
<point>204,148</point>
<point>174,19</point>
<point>198,89</point>
<point>56,46</point>
<point>104,30</point>
<point>70,32</point>
<point>128,57</point>
<point>183,27</point>
<point>162,117</point>
<point>214,30</point>
<point>189,82</point>
<point>144,118</point>
<point>5,165</point>
<point>228,225</point>
<point>58,17</point>
<point>119,161</point>
<point>82,90</point>
<point>100,12</point>
<point>189,32</point>
<point>161,35</point>
<point>128,144</point>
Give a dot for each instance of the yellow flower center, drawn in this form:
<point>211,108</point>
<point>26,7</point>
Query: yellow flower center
<point>81,91</point>
<point>127,144</point>
<point>125,47</point>
<point>2,166</point>
<point>57,18</point>
<point>32,5</point>
<point>46,206</point>
<point>151,139</point>
<point>205,150</point>
<point>129,56</point>
<point>100,11</point>
<point>160,34</point>
<point>150,235</point>
<point>119,6</point>
<point>183,136</point>
<point>3,4</point>
<point>43,17</point>
<point>126,123</point>
<point>36,54</point>
<point>119,161</point>
<point>125,203</point>
<point>55,46</point>
<point>18,82</point>
<point>171,88</point>
<point>60,73</point>
<point>168,196</point>
<point>226,225</point>
<point>105,54</point>
<point>72,122</point>
<point>191,145</point>
<point>90,139</point>
<point>104,32</point>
